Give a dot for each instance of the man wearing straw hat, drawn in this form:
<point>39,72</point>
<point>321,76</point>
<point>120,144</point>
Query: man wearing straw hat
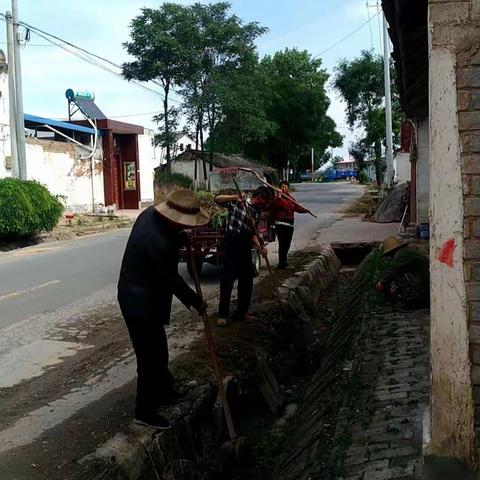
<point>148,280</point>
<point>407,275</point>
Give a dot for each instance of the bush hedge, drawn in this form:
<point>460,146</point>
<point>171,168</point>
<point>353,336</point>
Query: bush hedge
<point>26,208</point>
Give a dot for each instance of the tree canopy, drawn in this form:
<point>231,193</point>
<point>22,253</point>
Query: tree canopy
<point>361,85</point>
<point>232,102</point>
<point>160,45</point>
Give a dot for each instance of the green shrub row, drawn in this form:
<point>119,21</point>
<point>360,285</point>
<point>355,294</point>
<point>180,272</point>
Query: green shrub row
<point>26,208</point>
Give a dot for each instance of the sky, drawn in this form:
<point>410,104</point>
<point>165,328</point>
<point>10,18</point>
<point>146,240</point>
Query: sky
<point>101,26</point>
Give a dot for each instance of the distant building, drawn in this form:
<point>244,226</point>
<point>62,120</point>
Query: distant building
<point>87,168</point>
<point>196,165</point>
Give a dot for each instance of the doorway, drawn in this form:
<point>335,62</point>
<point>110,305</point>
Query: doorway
<point>126,159</point>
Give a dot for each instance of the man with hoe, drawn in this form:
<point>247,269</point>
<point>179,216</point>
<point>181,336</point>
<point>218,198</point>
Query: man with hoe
<point>148,280</point>
<point>240,237</point>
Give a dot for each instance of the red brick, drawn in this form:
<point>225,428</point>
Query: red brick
<point>472,207</point>
<point>473,292</point>
<point>469,77</point>
<point>471,249</point>
<point>476,374</point>
<point>474,185</point>
<point>474,310</point>
<point>464,100</point>
<point>469,120</point>
<point>471,163</point>
<point>475,228</point>
<point>475,100</point>
<point>474,272</point>
<point>475,354</point>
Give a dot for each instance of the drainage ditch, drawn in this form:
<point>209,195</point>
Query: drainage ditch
<point>286,375</point>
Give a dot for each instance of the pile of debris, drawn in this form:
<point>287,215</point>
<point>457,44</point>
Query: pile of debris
<point>392,208</point>
<point>207,202</point>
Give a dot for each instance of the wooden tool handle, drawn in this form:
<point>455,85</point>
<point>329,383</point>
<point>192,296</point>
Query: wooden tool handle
<point>211,347</point>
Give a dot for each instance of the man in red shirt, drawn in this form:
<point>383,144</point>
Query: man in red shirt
<point>283,211</point>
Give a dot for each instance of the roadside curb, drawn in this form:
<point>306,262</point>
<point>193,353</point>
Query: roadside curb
<point>309,283</point>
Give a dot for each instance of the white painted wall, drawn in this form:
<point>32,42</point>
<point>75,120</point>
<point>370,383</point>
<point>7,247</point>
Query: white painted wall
<point>423,171</point>
<point>58,166</point>
<point>148,160</point>
<point>452,408</point>
<point>188,168</point>
<point>402,167</point>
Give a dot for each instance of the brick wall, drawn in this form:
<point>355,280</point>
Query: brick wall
<point>468,85</point>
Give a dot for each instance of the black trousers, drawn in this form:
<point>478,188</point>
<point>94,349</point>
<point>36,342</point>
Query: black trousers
<point>237,263</point>
<point>154,382</point>
<point>284,235</point>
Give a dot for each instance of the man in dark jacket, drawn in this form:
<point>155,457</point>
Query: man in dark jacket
<point>148,280</point>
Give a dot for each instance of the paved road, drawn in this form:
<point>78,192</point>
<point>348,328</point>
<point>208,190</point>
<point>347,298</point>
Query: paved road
<point>66,365</point>
<point>39,280</point>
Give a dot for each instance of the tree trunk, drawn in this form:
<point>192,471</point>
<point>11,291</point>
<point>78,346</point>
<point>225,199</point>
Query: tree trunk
<point>167,127</point>
<point>378,162</point>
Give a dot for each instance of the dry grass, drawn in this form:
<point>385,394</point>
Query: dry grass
<point>365,205</point>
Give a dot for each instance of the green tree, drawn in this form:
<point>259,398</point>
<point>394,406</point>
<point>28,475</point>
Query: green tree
<point>224,55</point>
<point>360,152</point>
<point>160,44</point>
<point>297,102</point>
<point>361,85</point>
<point>245,118</point>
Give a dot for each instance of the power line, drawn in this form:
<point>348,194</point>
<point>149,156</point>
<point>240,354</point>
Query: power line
<point>346,37</point>
<point>369,23</point>
<point>380,36</point>
<point>33,44</point>
<point>86,56</point>
<point>96,64</point>
<point>103,59</point>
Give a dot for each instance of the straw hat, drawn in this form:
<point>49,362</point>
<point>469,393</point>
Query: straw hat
<point>390,244</point>
<point>183,207</point>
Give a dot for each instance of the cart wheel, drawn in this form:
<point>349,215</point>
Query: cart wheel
<point>198,264</point>
<point>256,262</point>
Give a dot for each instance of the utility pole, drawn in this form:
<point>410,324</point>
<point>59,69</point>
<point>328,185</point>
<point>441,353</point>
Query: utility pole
<point>22,157</point>
<point>388,103</point>
<point>11,97</point>
<point>313,164</point>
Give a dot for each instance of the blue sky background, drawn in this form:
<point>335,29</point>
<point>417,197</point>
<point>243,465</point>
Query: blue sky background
<point>102,25</point>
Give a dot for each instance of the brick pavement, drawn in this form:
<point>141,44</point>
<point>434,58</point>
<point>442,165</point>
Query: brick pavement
<point>383,418</point>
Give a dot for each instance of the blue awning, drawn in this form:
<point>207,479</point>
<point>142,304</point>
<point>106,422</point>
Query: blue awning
<point>32,121</point>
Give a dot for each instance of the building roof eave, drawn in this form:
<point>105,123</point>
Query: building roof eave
<point>408,30</point>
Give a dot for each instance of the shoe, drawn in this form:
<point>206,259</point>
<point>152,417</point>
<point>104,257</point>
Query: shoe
<point>173,398</point>
<point>222,322</point>
<point>282,267</point>
<point>153,420</point>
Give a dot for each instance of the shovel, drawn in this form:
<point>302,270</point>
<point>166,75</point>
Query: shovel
<point>236,445</point>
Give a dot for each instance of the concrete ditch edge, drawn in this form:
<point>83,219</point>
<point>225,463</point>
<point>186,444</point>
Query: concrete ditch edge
<point>198,425</point>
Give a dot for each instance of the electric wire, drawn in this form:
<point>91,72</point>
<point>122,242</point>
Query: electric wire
<point>346,37</point>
